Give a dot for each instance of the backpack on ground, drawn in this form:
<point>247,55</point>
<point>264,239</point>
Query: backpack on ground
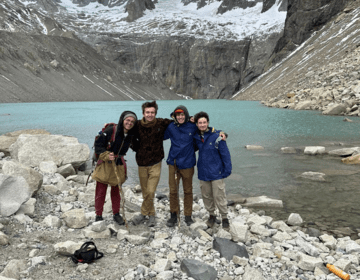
<point>95,156</point>
<point>87,253</point>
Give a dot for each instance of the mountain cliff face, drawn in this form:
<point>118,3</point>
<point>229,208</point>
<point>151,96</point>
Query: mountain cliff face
<point>320,73</point>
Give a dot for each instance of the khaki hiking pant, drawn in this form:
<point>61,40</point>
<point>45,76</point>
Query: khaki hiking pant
<point>149,177</point>
<point>214,195</point>
<point>187,177</point>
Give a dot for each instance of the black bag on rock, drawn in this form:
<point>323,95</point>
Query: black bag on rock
<point>87,253</point>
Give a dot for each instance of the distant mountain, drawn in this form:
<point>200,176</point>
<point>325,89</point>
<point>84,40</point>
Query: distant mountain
<point>172,48</point>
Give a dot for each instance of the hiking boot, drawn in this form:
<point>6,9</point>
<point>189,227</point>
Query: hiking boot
<point>188,220</point>
<point>211,221</point>
<point>225,224</point>
<point>98,218</point>
<point>172,221</point>
<point>119,219</point>
<point>151,222</point>
<point>138,219</point>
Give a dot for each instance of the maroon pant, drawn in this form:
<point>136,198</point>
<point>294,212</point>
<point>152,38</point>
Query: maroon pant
<point>100,194</point>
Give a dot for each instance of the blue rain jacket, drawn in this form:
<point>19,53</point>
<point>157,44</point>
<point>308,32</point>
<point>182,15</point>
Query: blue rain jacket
<point>214,162</point>
<point>182,148</point>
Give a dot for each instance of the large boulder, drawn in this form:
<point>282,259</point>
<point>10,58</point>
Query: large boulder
<point>14,191</point>
<point>345,152</point>
<point>352,160</point>
<point>263,201</point>
<point>9,138</point>
<point>31,150</point>
<point>336,109</point>
<point>32,177</point>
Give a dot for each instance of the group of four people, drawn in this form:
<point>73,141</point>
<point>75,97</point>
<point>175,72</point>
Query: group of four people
<point>146,138</point>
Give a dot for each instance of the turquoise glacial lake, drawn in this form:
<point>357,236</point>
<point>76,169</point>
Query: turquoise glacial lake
<point>334,202</point>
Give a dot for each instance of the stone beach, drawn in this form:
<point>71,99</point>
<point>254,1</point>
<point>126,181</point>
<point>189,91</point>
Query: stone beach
<point>51,214</point>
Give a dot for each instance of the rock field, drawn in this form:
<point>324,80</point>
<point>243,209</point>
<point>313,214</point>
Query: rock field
<point>51,214</point>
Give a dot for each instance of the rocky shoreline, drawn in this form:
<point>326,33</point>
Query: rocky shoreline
<point>333,89</point>
<point>47,212</point>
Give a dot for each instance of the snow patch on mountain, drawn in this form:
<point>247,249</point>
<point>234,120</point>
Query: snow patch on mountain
<point>172,18</point>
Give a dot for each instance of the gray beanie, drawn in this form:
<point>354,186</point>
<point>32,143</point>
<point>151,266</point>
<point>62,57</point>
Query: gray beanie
<point>129,114</point>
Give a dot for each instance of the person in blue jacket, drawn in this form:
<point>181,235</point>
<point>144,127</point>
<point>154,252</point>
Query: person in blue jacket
<point>214,165</point>
<point>181,162</point>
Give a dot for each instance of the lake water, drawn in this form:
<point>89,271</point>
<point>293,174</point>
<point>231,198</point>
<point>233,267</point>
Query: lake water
<point>267,172</point>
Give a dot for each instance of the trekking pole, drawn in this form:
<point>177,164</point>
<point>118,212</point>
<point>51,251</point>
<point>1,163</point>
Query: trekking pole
<point>177,180</point>
<point>337,271</point>
<point>122,196</point>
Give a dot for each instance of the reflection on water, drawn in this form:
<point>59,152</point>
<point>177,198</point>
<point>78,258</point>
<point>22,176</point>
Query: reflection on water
<point>266,172</point>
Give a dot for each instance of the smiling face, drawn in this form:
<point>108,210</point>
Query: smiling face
<point>128,123</point>
<point>149,114</point>
<point>180,117</point>
<point>202,124</point>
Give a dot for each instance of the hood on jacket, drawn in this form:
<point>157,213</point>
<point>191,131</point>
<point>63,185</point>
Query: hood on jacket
<point>120,126</point>
<point>187,117</point>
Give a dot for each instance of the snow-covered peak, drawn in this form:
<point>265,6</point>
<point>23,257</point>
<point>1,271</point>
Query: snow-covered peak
<point>169,18</point>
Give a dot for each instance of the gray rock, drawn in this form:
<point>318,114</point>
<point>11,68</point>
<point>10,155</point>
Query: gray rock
<point>67,248</point>
<point>47,167</point>
<point>14,191</point>
<point>52,221</point>
<point>345,152</point>
<point>254,147</point>
<point>239,232</point>
<point>315,176</point>
<point>66,170</point>
<point>288,150</point>
<point>308,262</point>
<point>252,274</point>
<point>32,177</point>
<point>88,233</point>
<point>228,248</point>
<point>198,270</point>
<point>75,218</point>
<point>161,265</point>
<point>263,201</point>
<point>336,109</point>
<point>31,150</point>
<point>13,269</point>
<point>136,240</point>
<point>294,219</point>
<point>28,208</point>
<point>4,239</point>
<point>314,150</point>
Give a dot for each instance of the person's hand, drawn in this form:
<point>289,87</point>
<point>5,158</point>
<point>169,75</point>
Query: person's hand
<point>223,136</point>
<point>111,156</point>
<point>192,119</point>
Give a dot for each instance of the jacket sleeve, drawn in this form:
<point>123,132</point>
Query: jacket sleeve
<point>225,158</point>
<point>167,133</point>
<point>102,141</point>
<point>166,122</point>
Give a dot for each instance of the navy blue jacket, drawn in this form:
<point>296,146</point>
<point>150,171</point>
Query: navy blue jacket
<point>214,162</point>
<point>182,148</point>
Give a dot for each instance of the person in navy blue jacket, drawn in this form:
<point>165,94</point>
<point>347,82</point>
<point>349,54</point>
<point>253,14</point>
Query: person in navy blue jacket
<point>181,162</point>
<point>214,165</point>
